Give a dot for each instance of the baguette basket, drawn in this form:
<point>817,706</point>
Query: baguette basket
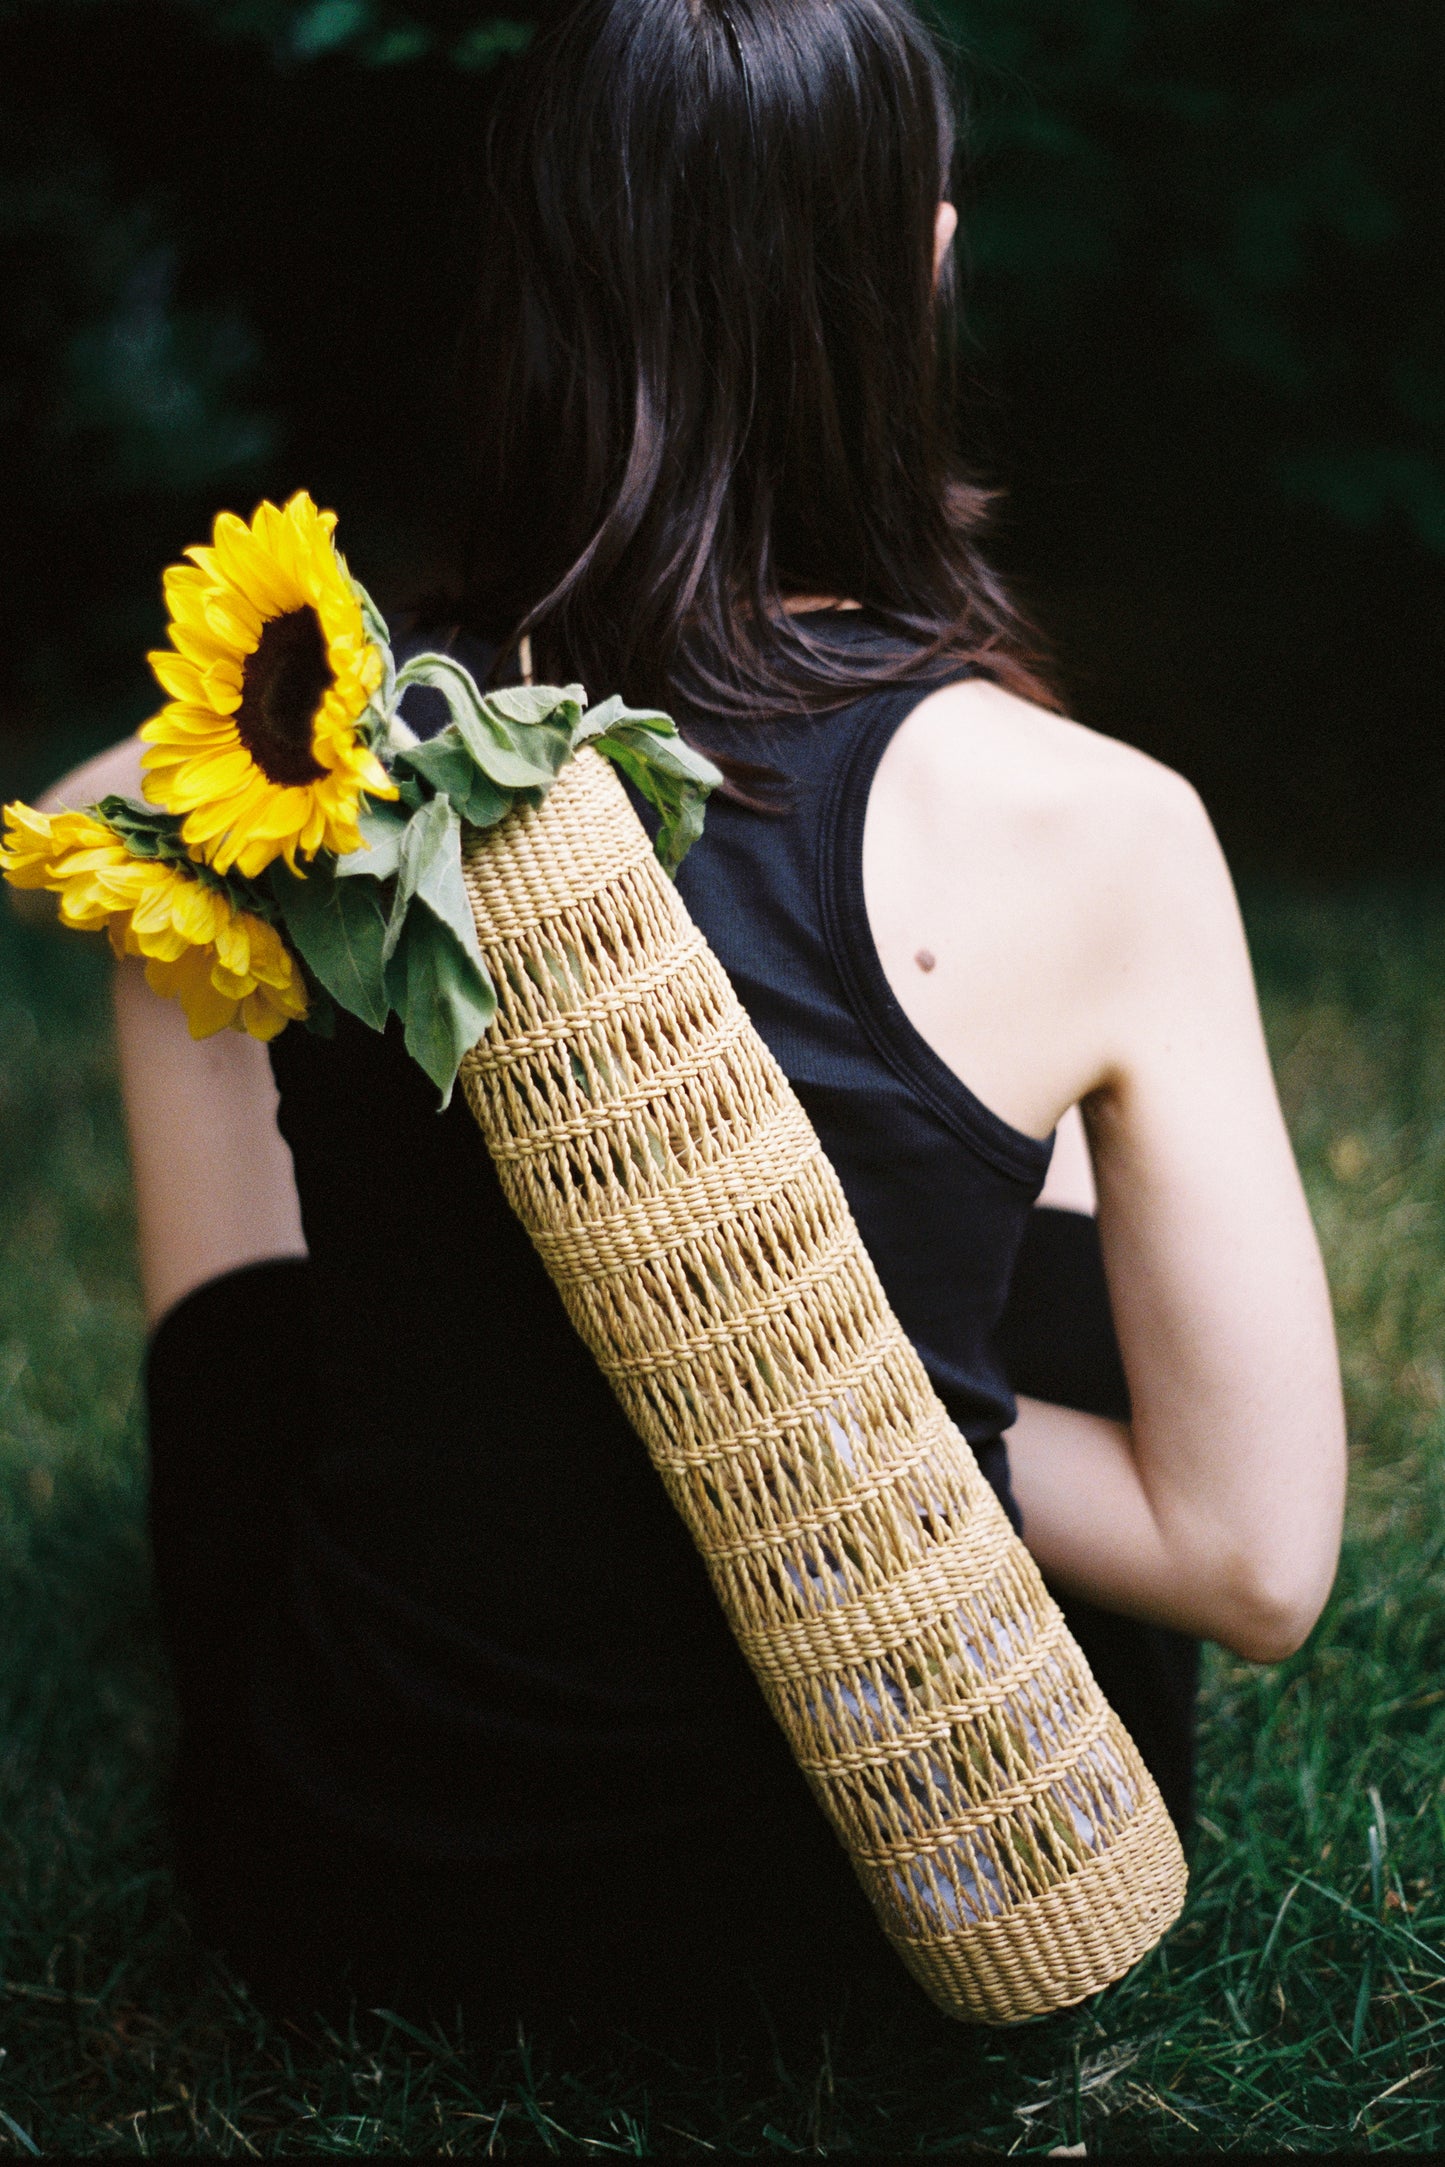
<point>1014,1848</point>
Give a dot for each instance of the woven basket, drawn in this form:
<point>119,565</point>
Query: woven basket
<point>1016,1851</point>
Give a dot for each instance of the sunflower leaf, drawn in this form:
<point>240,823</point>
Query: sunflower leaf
<point>442,993</point>
<point>424,837</point>
<point>445,675</point>
<point>519,738</point>
<point>145,830</point>
<point>442,762</point>
<point>530,705</point>
<point>663,766</point>
<point>516,755</point>
<point>382,828</point>
<point>486,802</point>
<point>429,871</point>
<point>613,713</point>
<point>321,1012</point>
<point>446,763</point>
<point>338,927</point>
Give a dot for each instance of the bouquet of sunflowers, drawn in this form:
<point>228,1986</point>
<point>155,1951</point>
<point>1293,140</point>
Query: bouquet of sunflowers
<point>297,846</point>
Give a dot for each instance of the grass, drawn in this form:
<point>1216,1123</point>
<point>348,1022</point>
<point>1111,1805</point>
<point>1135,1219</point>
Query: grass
<point>1300,2005</point>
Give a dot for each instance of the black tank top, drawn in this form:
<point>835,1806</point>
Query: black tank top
<point>496,1638</point>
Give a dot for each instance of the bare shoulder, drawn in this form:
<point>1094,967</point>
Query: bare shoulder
<point>1027,794</point>
<point>1067,891</point>
<point>975,744</point>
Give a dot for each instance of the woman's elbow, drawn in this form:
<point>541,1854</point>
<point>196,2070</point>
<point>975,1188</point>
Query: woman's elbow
<point>1268,1565</point>
<point>1270,1606</point>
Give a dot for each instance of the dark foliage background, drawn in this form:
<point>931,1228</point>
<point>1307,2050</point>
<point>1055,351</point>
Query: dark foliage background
<point>1206,341</point>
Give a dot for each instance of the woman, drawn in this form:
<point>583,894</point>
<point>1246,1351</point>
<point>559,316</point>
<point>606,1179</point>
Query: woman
<point>461,1716</point>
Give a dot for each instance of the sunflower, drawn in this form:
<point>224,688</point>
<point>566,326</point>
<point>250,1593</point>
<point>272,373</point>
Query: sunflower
<point>270,672</point>
<point>224,965</point>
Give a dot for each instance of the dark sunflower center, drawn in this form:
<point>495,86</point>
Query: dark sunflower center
<point>282,685</point>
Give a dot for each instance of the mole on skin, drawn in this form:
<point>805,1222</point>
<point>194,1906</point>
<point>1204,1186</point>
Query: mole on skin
<point>925,959</point>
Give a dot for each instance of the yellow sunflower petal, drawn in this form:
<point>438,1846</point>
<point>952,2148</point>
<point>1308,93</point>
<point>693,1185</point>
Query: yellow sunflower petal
<point>234,622</point>
<point>219,829</point>
<point>47,850</point>
<point>180,677</point>
<point>233,945</point>
<point>259,1019</point>
<point>179,724</point>
<point>188,981</point>
<point>199,645</point>
<point>268,584</point>
<point>219,771</point>
<point>27,852</point>
<point>224,754</point>
<point>226,967</point>
<point>272,964</point>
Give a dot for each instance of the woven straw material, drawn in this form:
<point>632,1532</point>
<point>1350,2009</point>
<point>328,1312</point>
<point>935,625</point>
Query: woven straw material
<point>1012,1844</point>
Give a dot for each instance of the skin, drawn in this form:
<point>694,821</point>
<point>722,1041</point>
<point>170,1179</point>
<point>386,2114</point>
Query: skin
<point>214,1188</point>
<point>1087,951</point>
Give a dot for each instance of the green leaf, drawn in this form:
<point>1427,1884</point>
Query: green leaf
<point>445,675</point>
<point>519,738</point>
<point>338,928</point>
<point>430,872</point>
<point>445,763</point>
<point>518,755</point>
<point>321,1014</point>
<point>144,829</point>
<point>442,762</point>
<point>442,993</point>
<point>611,714</point>
<point>486,803</point>
<point>668,772</point>
<point>382,828</point>
<point>435,977</point>
<point>534,704</point>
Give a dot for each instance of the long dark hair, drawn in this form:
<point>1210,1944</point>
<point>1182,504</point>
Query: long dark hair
<point>713,368</point>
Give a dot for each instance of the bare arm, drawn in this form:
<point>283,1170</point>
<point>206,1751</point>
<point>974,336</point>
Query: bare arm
<point>1219,1510</point>
<point>214,1187</point>
<point>1084,946</point>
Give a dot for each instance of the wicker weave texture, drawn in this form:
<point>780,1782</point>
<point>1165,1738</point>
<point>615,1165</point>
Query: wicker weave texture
<point>1015,1849</point>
